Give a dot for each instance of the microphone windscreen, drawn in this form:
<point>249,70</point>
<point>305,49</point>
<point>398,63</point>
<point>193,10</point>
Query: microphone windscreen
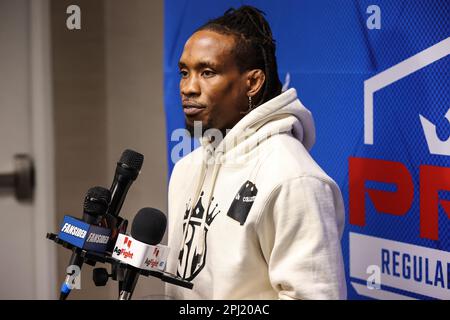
<point>132,159</point>
<point>149,226</point>
<point>96,201</point>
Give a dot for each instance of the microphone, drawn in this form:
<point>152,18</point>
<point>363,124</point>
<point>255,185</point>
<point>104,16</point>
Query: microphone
<point>127,170</point>
<point>140,251</point>
<point>96,205</point>
<point>85,234</point>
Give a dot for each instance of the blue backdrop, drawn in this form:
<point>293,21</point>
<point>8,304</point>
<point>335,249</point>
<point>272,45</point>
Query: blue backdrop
<point>329,52</point>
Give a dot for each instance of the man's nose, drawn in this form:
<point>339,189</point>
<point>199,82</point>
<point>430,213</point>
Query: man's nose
<point>190,86</point>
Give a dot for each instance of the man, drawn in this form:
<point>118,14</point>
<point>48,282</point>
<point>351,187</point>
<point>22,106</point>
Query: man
<point>251,214</point>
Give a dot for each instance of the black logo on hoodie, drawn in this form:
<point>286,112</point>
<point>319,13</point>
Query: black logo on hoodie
<point>191,260</point>
<point>243,202</point>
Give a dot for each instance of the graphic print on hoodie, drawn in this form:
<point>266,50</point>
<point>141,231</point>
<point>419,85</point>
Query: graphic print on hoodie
<point>191,259</point>
<point>243,202</point>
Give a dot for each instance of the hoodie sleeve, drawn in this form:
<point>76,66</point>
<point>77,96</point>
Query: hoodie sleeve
<point>300,239</point>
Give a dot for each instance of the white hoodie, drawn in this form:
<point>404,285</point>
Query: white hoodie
<point>266,220</point>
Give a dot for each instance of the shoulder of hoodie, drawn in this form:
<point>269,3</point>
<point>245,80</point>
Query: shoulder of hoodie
<point>286,159</point>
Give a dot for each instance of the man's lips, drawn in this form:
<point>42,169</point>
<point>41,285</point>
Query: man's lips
<point>191,109</point>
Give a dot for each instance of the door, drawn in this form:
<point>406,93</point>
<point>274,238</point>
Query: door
<point>27,259</point>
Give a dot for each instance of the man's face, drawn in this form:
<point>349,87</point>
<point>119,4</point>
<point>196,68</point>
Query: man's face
<point>212,88</point>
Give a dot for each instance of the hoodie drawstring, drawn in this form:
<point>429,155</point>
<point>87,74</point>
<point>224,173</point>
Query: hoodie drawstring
<point>201,246</point>
<point>195,197</point>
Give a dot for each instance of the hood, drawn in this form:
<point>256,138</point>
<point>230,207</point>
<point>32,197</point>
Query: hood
<point>284,113</point>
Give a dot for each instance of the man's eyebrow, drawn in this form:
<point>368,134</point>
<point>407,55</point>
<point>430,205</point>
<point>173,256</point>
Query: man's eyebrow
<point>206,64</point>
<point>199,65</point>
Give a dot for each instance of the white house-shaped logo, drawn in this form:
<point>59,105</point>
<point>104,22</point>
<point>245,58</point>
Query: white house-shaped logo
<point>400,71</point>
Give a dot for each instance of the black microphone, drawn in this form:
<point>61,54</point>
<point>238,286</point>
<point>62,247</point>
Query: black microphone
<point>127,170</point>
<point>95,206</point>
<point>149,226</point>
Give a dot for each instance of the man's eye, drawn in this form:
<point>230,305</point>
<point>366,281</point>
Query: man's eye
<point>183,73</point>
<point>208,73</point>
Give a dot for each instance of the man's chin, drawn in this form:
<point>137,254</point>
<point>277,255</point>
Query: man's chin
<point>196,128</point>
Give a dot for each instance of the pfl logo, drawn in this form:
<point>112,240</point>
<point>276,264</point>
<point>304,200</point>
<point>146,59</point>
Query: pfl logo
<point>433,180</point>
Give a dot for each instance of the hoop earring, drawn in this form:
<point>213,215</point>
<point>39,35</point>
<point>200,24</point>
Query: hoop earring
<point>250,106</point>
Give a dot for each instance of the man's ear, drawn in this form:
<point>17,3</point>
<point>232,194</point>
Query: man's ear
<point>255,81</point>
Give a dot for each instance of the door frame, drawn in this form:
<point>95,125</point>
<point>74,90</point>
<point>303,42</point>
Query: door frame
<point>42,142</point>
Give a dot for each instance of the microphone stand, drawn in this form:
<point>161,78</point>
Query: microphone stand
<point>117,268</point>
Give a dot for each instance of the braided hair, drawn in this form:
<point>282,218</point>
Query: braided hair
<point>255,47</point>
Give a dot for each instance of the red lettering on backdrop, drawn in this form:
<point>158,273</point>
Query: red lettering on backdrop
<point>432,180</point>
<point>392,202</point>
